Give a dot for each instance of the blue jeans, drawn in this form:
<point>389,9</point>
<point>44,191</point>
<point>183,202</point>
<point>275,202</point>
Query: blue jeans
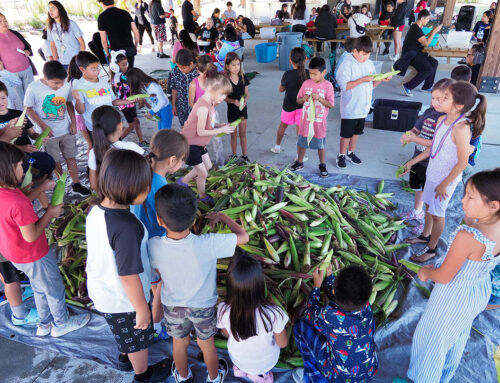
<point>166,117</point>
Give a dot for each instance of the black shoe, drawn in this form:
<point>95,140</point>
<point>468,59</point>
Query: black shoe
<point>245,158</point>
<point>123,363</point>
<point>78,188</point>
<point>157,55</point>
<point>163,56</point>
<point>341,161</point>
<point>157,372</point>
<point>385,52</point>
<point>297,166</point>
<point>354,158</point>
<point>323,173</point>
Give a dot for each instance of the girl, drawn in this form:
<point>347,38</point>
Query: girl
<point>197,86</point>
<point>108,129</point>
<point>463,284</point>
<point>290,84</point>
<point>158,103</point>
<point>185,42</point>
<point>482,27</point>
<point>119,68</point>
<point>181,77</point>
<point>28,250</point>
<point>75,74</point>
<point>201,127</point>
<point>235,110</point>
<point>229,44</point>
<point>255,327</point>
<point>398,22</point>
<point>449,155</point>
<point>118,268</point>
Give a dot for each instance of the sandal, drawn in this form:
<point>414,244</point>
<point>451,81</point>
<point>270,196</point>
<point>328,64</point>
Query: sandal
<point>420,239</point>
<point>424,255</point>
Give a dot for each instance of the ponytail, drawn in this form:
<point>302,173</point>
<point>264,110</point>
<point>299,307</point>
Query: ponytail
<point>105,120</point>
<point>466,94</point>
<point>477,116</point>
<point>298,57</point>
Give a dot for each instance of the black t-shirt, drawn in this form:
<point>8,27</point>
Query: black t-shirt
<point>292,84</point>
<point>233,111</point>
<point>384,15</point>
<point>475,72</point>
<point>250,27</point>
<point>187,13</point>
<point>411,42</point>
<point>398,17</point>
<point>426,124</point>
<point>209,34</point>
<point>325,24</point>
<point>11,114</point>
<point>117,24</point>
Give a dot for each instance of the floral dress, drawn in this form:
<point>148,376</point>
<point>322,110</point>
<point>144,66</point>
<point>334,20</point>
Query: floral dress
<point>180,81</point>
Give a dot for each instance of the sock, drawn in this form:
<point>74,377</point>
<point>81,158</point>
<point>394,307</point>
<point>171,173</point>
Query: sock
<point>21,311</point>
<point>216,380</point>
<point>157,327</point>
<point>189,375</point>
<point>341,154</point>
<point>145,375</point>
<point>277,147</point>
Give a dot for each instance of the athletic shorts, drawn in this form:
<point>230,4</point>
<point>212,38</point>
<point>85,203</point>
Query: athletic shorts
<point>436,206</point>
<point>291,118</point>
<point>130,114</point>
<point>195,154</point>
<point>65,144</point>
<point>126,336</point>
<point>181,320</point>
<point>399,29</point>
<point>418,177</point>
<point>351,127</point>
<point>316,143</point>
<point>9,273</point>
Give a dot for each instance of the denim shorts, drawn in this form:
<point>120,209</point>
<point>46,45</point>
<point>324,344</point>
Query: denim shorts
<point>316,143</point>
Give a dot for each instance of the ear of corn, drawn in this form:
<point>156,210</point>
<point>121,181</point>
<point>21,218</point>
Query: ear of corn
<point>312,117</point>
<point>242,102</point>
<point>41,137</point>
<point>58,194</point>
<point>28,177</point>
<point>138,97</point>
<point>383,76</point>
<point>408,133</point>
<point>400,171</point>
<point>22,117</point>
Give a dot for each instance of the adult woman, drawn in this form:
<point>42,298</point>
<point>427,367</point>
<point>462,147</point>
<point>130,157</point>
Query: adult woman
<point>14,53</point>
<point>325,24</point>
<point>229,44</point>
<point>142,20</point>
<point>398,22</point>
<point>64,35</point>
<point>283,13</point>
<point>300,16</point>
<point>185,42</point>
<point>413,55</point>
<point>158,22</point>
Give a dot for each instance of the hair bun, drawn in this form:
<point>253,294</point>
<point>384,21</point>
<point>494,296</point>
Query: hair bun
<point>212,72</point>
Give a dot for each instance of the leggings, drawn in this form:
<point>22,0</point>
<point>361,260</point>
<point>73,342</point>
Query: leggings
<point>147,28</point>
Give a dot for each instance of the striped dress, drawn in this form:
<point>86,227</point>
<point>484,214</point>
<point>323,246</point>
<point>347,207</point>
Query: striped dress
<point>443,330</point>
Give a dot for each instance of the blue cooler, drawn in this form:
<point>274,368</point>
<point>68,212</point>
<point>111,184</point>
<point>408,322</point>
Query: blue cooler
<point>266,52</point>
<point>287,41</point>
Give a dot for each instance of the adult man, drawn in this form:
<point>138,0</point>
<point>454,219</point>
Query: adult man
<point>115,27</point>
<point>246,27</point>
<point>189,16</point>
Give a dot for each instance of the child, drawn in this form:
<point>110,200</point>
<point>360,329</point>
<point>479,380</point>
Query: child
<point>385,19</point>
<point>107,130</point>
<point>118,269</point>
<point>422,134</point>
<point>448,154</point>
<point>365,11</point>
<point>239,83</point>
<point>494,302</point>
<point>189,299</point>
<point>356,86</point>
<point>322,95</point>
<point>291,82</point>
<point>463,284</point>
<point>482,27</point>
<point>182,75</point>
<point>172,26</point>
<point>49,104</point>
<point>229,13</point>
<point>201,127</point>
<point>119,68</point>
<point>357,24</point>
<point>159,104</point>
<point>349,45</point>
<point>28,250</point>
<point>254,343</point>
<point>337,341</point>
<point>197,86</point>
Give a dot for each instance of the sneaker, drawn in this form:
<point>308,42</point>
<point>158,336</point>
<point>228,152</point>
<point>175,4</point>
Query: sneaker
<point>223,369</point>
<point>385,52</point>
<point>426,90</point>
<point>159,372</point>
<point>354,158</point>
<point>144,144</point>
<point>78,188</point>
<point>245,158</point>
<point>407,92</point>
<point>43,329</point>
<point>179,182</point>
<point>412,216</point>
<point>233,158</point>
<point>323,173</point>
<point>124,363</point>
<point>297,166</point>
<point>30,320</point>
<point>74,323</point>
<point>27,292</point>
<point>177,377</point>
<point>275,150</point>
<point>163,56</point>
<point>394,58</point>
<point>3,299</point>
<point>341,161</point>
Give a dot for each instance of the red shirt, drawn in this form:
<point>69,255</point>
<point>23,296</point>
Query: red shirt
<point>16,210</point>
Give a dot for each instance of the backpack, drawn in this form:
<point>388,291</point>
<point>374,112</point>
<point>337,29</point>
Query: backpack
<point>330,76</point>
<point>308,49</point>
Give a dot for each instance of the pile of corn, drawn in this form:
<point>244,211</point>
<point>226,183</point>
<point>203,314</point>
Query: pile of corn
<point>294,227</point>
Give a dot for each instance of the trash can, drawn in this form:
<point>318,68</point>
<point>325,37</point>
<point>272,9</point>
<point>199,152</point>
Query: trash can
<point>395,115</point>
<point>286,42</point>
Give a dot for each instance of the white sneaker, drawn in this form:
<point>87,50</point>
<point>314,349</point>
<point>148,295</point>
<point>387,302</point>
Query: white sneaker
<point>275,150</point>
<point>43,329</point>
<point>74,322</point>
<point>394,58</point>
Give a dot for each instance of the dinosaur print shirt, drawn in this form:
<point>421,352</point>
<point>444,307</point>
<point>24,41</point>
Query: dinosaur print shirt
<point>348,347</point>
<point>94,94</point>
<point>50,105</point>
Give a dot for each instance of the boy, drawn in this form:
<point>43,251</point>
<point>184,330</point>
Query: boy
<point>385,19</point>
<point>422,134</point>
<point>49,103</point>
<point>172,26</point>
<point>345,324</point>
<point>187,265</point>
<point>356,87</point>
<point>349,44</point>
<point>322,94</point>
<point>209,33</point>
<point>229,14</point>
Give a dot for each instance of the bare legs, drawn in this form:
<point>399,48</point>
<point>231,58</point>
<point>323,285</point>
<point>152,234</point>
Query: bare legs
<point>242,132</point>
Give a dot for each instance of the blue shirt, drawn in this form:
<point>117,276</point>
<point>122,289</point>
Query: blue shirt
<point>67,43</point>
<point>477,143</point>
<point>149,220</point>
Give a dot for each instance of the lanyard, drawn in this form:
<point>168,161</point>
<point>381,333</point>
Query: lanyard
<point>59,32</point>
<point>443,139</point>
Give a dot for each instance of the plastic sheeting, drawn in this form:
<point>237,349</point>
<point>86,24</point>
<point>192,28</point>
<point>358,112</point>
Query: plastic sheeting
<point>393,341</point>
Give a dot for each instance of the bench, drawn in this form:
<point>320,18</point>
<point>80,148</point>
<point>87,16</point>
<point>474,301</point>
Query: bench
<point>315,40</point>
<point>446,52</point>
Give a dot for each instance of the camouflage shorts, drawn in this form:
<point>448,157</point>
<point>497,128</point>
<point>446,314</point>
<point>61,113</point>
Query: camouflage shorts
<point>181,320</point>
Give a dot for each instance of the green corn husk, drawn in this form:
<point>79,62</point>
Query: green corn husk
<point>138,97</point>
<point>28,177</point>
<point>408,133</point>
<point>242,102</point>
<point>383,76</point>
<point>312,117</point>
<point>400,171</point>
<point>41,137</point>
<point>58,194</point>
<point>410,265</point>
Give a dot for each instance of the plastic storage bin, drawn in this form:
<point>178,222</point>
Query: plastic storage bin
<point>395,115</point>
<point>287,41</point>
<point>435,40</point>
<point>266,52</point>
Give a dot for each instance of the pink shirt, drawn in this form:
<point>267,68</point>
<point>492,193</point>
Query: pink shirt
<point>177,47</point>
<point>13,61</point>
<point>323,89</point>
<point>199,91</point>
<point>190,130</point>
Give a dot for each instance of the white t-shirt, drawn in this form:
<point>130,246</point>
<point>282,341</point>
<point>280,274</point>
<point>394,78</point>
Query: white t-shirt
<point>50,105</point>
<point>304,21</point>
<point>260,353</point>
<point>94,94</point>
<point>188,267</point>
<point>92,163</point>
<point>159,100</point>
<point>361,20</point>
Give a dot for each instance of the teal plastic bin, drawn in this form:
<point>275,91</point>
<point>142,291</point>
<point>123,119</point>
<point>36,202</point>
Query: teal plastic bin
<point>435,40</point>
<point>266,52</point>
